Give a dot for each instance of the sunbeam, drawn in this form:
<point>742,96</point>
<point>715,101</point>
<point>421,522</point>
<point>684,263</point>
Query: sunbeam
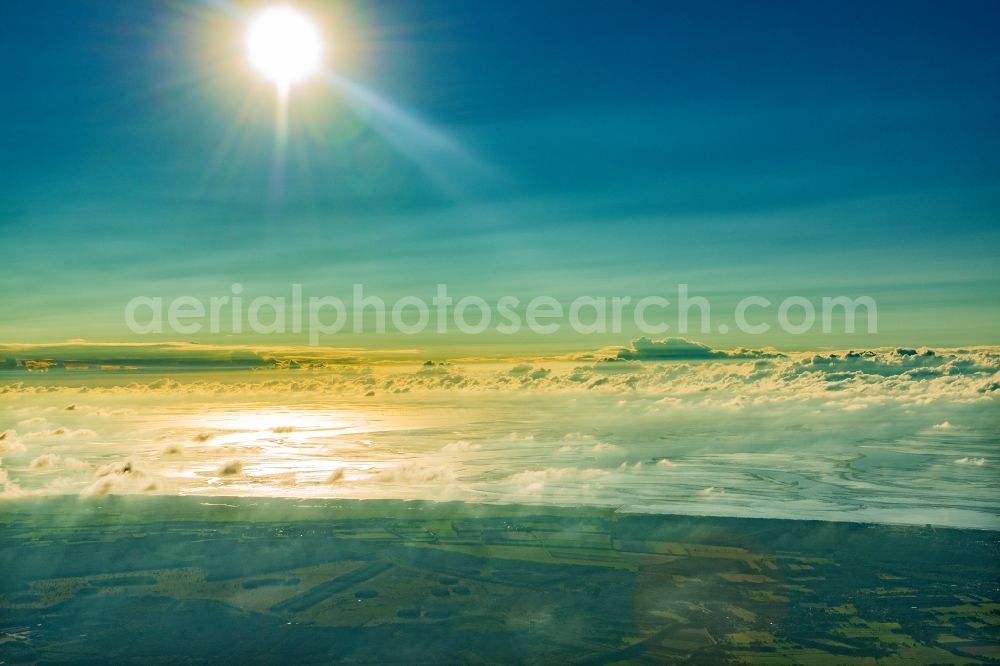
<point>450,165</point>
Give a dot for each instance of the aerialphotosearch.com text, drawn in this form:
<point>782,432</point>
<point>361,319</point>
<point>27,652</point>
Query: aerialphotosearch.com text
<point>322,316</point>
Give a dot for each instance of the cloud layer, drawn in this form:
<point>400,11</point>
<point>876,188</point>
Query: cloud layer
<point>890,435</point>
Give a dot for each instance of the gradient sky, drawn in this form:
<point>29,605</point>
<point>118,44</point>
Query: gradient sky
<point>566,148</point>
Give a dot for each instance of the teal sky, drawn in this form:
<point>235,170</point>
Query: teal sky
<point>567,149</point>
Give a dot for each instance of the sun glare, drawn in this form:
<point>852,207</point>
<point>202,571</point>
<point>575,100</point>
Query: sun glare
<point>284,45</point>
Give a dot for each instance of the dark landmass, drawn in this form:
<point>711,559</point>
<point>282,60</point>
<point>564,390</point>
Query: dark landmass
<point>196,580</point>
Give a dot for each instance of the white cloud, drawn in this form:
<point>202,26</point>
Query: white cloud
<point>804,433</point>
<point>415,473</point>
<point>538,481</point>
<point>122,477</point>
<point>460,446</point>
<point>45,461</point>
<point>9,443</point>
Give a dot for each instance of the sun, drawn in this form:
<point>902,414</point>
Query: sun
<point>284,45</point>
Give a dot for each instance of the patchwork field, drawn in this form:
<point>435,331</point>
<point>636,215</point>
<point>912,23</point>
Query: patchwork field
<point>162,579</point>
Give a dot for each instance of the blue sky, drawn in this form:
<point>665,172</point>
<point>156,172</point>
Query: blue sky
<point>776,148</point>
